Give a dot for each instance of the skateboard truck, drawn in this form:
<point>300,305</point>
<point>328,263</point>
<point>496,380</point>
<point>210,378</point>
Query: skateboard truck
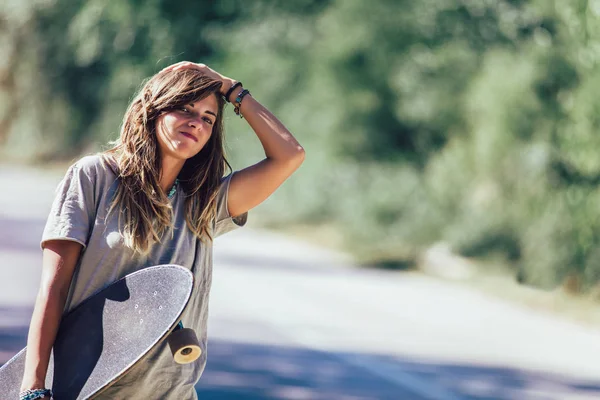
<point>184,344</point>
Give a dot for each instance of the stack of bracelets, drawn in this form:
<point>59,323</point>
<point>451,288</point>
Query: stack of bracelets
<point>35,394</point>
<point>238,100</point>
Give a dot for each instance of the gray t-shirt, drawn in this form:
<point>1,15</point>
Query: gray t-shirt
<point>79,213</point>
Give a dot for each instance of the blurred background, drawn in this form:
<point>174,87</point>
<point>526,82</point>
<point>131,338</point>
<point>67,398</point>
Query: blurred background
<point>464,131</point>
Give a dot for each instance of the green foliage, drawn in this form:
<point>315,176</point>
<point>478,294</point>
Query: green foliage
<point>467,121</point>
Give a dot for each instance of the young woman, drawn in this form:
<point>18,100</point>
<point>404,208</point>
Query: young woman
<point>159,196</point>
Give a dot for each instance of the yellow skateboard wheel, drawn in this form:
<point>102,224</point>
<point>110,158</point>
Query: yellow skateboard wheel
<point>184,345</point>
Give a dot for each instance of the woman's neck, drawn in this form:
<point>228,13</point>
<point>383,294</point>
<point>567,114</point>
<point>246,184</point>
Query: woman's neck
<point>169,172</point>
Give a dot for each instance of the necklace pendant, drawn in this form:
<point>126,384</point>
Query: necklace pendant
<point>173,189</point>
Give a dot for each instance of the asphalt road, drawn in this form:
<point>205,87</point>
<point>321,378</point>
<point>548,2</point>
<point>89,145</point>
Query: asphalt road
<point>293,321</point>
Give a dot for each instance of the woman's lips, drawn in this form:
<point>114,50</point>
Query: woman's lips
<point>189,135</point>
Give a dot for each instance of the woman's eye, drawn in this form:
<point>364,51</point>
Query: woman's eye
<point>183,109</point>
<point>208,120</point>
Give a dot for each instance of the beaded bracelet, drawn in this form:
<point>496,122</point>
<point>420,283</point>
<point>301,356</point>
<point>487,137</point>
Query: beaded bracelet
<point>238,102</point>
<point>33,394</point>
<point>231,89</point>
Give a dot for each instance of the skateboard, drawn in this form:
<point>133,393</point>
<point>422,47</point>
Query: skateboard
<point>108,333</point>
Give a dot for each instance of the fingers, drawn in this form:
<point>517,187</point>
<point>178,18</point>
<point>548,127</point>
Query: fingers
<point>203,68</point>
<point>184,65</point>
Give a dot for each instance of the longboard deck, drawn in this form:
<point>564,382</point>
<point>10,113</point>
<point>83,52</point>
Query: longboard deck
<point>108,333</point>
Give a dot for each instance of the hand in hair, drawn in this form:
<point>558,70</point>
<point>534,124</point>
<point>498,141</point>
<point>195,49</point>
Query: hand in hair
<point>252,185</point>
<point>206,70</point>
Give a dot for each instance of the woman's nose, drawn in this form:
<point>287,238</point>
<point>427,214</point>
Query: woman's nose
<point>194,123</point>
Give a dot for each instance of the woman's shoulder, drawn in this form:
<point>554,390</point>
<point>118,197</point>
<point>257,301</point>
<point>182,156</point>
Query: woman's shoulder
<point>96,165</point>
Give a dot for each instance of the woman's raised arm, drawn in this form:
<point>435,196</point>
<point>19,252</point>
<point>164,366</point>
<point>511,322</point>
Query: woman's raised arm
<point>252,185</point>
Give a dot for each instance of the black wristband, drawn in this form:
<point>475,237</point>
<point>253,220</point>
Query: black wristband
<point>231,89</point>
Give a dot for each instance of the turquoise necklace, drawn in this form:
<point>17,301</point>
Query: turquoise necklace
<point>173,189</point>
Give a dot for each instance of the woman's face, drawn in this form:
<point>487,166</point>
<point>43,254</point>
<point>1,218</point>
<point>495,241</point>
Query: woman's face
<point>183,132</point>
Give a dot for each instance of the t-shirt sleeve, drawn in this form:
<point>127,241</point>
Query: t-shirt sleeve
<point>224,221</point>
<point>72,212</point>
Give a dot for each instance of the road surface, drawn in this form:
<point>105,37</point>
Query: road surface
<point>293,321</point>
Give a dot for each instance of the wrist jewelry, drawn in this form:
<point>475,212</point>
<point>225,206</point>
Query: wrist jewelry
<point>238,102</point>
<point>33,394</point>
<point>231,89</point>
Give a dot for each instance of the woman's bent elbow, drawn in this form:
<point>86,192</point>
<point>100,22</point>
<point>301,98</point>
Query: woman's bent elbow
<point>299,156</point>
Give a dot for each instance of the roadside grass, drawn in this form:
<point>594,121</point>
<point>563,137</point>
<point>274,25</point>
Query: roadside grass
<point>491,277</point>
<point>497,281</point>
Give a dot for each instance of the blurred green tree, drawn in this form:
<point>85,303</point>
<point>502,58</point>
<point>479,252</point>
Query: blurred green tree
<point>466,121</point>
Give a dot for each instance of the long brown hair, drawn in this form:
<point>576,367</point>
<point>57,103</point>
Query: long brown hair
<point>145,212</point>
